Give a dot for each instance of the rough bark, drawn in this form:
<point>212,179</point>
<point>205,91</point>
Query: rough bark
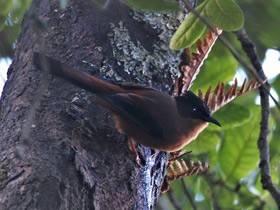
<point>74,158</point>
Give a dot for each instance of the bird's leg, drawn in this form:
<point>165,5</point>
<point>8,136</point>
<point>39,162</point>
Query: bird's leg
<point>133,149</point>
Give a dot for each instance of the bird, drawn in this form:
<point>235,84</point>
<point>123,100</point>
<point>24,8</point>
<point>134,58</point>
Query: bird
<point>144,114</point>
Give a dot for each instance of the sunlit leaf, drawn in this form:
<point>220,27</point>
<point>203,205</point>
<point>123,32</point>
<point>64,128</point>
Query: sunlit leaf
<point>270,202</point>
<point>5,7</point>
<point>18,9</point>
<point>177,190</point>
<point>206,141</point>
<point>205,191</point>
<point>214,70</point>
<point>274,144</point>
<point>153,5</point>
<point>10,26</point>
<point>275,169</point>
<point>247,99</point>
<point>212,160</point>
<point>276,84</point>
<point>189,31</point>
<point>225,198</point>
<point>247,199</point>
<point>239,153</point>
<point>230,116</point>
<point>220,66</point>
<point>225,14</point>
<point>258,185</point>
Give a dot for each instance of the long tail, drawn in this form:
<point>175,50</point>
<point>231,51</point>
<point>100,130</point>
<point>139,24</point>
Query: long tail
<point>73,76</point>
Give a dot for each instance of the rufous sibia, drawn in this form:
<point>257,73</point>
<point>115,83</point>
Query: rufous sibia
<point>146,115</point>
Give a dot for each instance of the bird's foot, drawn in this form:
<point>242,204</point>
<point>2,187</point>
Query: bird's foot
<point>176,155</point>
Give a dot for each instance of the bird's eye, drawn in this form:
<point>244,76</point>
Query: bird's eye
<point>194,109</point>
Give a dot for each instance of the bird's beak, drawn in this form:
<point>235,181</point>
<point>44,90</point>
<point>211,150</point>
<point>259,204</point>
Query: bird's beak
<point>212,120</point>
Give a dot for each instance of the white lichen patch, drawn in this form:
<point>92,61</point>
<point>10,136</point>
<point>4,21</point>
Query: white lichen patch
<point>135,59</point>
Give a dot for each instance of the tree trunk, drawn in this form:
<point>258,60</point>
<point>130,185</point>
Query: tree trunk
<point>69,155</point>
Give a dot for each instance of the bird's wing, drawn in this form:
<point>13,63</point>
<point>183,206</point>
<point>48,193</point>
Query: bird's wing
<point>127,85</point>
<point>138,110</point>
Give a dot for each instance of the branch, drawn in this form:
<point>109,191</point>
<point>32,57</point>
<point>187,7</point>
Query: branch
<point>250,49</point>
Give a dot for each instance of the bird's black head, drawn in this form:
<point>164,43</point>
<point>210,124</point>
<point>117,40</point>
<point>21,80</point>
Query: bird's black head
<point>189,105</point>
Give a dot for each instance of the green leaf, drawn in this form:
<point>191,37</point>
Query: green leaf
<point>247,200</point>
<point>5,7</point>
<point>261,19</point>
<point>276,84</point>
<point>206,141</point>
<point>220,66</point>
<point>153,5</point>
<point>2,21</point>
<point>275,169</point>
<point>225,198</point>
<point>248,99</point>
<point>274,145</point>
<point>177,190</point>
<point>19,8</point>
<point>206,192</point>
<point>212,160</point>
<point>9,34</point>
<point>189,31</point>
<point>258,185</point>
<point>225,14</point>
<point>237,114</point>
<point>239,154</point>
<point>214,70</point>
